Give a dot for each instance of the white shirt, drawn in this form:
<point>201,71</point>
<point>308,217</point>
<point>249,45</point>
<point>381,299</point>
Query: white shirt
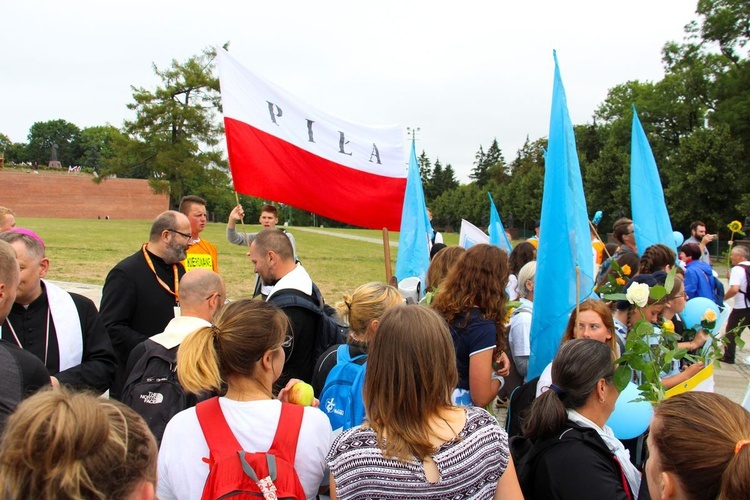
<point>520,330</point>
<point>512,287</point>
<point>738,277</point>
<point>297,279</point>
<point>182,472</point>
<point>177,329</point>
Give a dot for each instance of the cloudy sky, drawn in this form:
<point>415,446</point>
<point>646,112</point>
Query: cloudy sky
<point>464,73</point>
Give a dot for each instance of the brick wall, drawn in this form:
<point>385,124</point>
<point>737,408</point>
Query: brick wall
<point>76,196</point>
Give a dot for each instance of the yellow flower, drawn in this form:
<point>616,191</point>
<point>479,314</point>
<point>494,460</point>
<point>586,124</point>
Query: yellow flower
<point>626,270</point>
<point>620,281</point>
<point>668,326</point>
<point>709,316</point>
<point>509,314</point>
<point>735,226</point>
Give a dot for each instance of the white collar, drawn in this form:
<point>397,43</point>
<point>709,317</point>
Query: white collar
<point>296,279</point>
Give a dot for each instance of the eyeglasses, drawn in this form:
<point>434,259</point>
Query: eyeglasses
<point>186,236</point>
<point>217,295</point>
<point>288,341</point>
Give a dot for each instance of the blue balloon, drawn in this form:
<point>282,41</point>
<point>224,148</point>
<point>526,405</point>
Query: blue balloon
<point>630,419</point>
<point>694,310</point>
<point>678,238</point>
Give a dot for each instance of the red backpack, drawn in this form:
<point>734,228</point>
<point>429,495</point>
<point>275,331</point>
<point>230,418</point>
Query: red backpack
<point>240,474</point>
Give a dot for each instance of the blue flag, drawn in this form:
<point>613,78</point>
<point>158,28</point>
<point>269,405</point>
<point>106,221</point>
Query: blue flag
<point>565,264</point>
<point>497,230</point>
<point>413,249</point>
<point>650,216</point>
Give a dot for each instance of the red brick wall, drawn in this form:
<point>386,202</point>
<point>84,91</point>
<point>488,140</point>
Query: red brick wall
<point>76,196</point>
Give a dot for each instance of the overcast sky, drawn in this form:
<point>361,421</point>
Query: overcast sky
<point>464,72</point>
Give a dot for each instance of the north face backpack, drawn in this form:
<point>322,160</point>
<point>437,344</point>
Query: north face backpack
<point>152,388</point>
<point>341,397</point>
<point>330,333</point>
<point>236,473</point>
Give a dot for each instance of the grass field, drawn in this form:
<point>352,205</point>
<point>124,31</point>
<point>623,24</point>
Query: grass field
<point>84,250</point>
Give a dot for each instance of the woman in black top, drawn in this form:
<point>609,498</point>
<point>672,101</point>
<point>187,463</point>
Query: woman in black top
<point>567,450</point>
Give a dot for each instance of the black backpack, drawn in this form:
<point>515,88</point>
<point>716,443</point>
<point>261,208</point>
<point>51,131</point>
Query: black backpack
<point>330,332</point>
<point>152,388</point>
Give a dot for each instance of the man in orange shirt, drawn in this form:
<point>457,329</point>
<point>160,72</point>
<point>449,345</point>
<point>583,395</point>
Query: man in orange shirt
<point>201,253</point>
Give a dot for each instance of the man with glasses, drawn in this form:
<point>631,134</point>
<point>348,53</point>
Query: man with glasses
<point>141,293</point>
<point>202,295</point>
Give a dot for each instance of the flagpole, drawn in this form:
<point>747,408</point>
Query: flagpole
<point>387,256</point>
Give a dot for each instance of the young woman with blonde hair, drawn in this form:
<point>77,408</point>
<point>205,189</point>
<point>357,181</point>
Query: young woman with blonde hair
<point>71,445</point>
<point>241,353</point>
<point>361,311</point>
<point>416,443</point>
<point>682,465</point>
<point>472,301</point>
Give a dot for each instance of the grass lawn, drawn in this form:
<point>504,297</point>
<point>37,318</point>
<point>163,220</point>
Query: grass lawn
<point>84,250</point>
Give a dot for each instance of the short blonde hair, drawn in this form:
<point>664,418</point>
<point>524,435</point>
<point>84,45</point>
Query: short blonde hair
<point>368,302</point>
<point>71,445</point>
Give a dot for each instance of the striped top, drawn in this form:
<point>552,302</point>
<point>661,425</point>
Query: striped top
<point>469,465</point>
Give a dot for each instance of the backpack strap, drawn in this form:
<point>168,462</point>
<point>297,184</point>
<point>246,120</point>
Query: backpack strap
<point>287,433</point>
<point>219,436</point>
<point>295,298</point>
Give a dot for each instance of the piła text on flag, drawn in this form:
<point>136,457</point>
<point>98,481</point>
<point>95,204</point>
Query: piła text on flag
<point>283,150</point>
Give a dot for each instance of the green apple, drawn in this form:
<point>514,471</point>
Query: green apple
<point>301,394</point>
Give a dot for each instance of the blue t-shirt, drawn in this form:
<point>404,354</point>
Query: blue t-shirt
<point>476,336</point>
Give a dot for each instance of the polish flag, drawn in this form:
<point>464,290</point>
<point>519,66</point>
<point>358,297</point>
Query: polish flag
<point>283,150</point>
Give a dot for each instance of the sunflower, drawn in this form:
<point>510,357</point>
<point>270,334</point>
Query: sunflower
<point>735,226</point>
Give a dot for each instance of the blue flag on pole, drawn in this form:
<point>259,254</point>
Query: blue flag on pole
<point>496,229</point>
<point>650,215</point>
<point>565,265</point>
<point>413,250</point>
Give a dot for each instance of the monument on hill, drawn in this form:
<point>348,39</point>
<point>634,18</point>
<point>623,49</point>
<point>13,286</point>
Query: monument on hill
<point>53,161</point>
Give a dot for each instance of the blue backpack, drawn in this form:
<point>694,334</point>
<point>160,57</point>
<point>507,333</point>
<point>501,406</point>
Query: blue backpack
<point>341,397</point>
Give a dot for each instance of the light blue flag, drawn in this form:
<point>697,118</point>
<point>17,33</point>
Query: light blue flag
<point>650,216</point>
<point>413,249</point>
<point>497,230</point>
<point>565,264</point>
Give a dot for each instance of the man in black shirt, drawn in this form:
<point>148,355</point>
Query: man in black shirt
<point>141,293</point>
<point>62,329</point>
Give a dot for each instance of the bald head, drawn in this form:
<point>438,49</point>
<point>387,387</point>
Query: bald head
<point>202,293</point>
<point>167,221</point>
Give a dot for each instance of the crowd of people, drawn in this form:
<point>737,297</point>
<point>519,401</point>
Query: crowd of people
<point>188,395</point>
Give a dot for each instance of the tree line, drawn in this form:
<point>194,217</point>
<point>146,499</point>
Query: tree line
<point>695,118</point>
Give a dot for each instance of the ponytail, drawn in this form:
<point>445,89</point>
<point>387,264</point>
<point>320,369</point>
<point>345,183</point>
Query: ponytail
<point>547,416</point>
<point>198,362</point>
<point>578,366</point>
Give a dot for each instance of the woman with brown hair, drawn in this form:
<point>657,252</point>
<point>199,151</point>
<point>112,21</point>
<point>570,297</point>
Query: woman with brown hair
<point>657,257</point>
<point>242,354</point>
<point>472,301</point>
<point>439,268</point>
<point>699,447</point>
<point>71,445</point>
<point>415,442</point>
<point>568,450</point>
<point>627,253</point>
<point>592,319</point>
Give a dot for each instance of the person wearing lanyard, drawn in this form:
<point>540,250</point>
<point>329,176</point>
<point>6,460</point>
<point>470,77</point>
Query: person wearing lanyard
<point>141,293</point>
<point>62,329</point>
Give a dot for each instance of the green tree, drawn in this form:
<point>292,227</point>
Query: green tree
<point>97,144</point>
<point>425,168</point>
<point>172,140</point>
<point>707,180</point>
<point>481,171</point>
<point>43,135</point>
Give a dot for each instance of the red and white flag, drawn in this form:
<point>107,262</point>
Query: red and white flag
<point>283,150</point>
